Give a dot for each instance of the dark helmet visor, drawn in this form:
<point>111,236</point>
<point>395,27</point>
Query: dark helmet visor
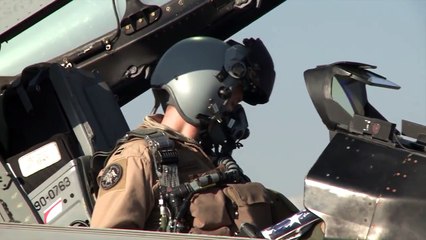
<point>260,78</point>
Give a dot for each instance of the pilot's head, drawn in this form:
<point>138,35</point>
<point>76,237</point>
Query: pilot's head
<point>204,77</point>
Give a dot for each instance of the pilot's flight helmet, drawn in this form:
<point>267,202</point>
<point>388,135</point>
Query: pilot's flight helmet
<point>197,74</point>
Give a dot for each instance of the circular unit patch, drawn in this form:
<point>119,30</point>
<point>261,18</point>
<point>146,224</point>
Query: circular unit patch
<point>111,176</point>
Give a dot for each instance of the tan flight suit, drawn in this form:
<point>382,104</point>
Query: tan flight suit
<point>129,188</point>
<point>131,201</point>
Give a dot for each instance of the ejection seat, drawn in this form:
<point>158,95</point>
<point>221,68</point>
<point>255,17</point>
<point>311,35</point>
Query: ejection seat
<point>52,120</point>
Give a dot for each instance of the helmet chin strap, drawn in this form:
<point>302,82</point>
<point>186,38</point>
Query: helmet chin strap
<point>155,108</point>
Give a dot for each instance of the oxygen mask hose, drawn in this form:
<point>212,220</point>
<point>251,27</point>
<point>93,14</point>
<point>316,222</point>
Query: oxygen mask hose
<point>233,172</point>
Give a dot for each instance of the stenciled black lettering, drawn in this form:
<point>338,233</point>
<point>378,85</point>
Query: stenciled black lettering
<point>37,205</point>
<point>61,186</point>
<point>51,194</point>
<point>56,189</point>
<point>42,201</point>
<point>67,181</point>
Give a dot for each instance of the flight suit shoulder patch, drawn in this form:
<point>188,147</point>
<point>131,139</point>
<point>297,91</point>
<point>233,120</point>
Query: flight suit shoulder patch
<point>111,176</point>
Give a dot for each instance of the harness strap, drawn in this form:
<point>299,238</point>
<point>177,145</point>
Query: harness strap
<point>161,147</point>
<point>165,158</point>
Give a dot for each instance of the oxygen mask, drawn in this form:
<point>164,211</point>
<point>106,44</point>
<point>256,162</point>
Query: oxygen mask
<point>226,132</point>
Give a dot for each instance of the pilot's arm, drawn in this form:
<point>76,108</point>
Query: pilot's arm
<point>126,195</point>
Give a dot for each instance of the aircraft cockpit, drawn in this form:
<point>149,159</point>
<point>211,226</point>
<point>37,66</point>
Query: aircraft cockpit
<point>66,69</point>
<point>365,183</point>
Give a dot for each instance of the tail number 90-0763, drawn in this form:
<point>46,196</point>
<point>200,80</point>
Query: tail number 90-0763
<point>52,193</point>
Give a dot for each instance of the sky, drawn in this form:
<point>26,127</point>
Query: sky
<point>287,135</point>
